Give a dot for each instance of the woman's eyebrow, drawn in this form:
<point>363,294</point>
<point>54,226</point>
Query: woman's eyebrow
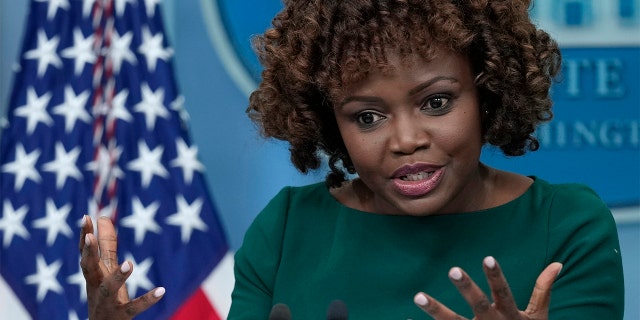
<point>430,82</point>
<point>413,91</point>
<point>359,98</point>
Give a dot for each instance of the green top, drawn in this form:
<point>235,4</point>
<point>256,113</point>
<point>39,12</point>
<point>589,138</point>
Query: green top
<point>305,249</point>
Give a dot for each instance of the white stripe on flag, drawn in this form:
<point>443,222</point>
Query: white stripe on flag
<point>10,305</point>
<point>219,284</point>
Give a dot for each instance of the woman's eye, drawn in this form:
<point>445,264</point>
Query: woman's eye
<point>437,104</point>
<point>368,118</point>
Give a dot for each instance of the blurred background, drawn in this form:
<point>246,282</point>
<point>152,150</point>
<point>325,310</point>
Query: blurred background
<point>594,138</point>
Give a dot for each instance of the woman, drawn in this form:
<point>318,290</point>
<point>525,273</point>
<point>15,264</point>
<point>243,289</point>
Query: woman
<point>401,97</point>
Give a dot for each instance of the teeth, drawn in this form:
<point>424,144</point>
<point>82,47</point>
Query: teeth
<point>417,176</point>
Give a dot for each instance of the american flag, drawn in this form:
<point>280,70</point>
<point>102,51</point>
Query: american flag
<point>96,125</point>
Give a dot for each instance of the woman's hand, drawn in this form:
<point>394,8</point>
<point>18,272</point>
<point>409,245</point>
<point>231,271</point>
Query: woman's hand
<point>503,306</point>
<point>106,291</point>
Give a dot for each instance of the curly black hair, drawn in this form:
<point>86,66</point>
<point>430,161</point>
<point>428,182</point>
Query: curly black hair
<point>317,47</point>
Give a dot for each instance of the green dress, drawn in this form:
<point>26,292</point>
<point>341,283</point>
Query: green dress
<point>305,249</point>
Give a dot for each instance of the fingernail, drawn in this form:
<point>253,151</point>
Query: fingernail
<point>490,262</point>
<point>87,240</point>
<point>455,273</point>
<point>159,292</point>
<point>421,300</point>
<point>560,269</point>
<point>125,267</point>
<point>84,220</point>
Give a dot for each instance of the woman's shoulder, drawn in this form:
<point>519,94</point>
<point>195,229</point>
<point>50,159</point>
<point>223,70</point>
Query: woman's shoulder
<point>574,203</point>
<point>291,199</point>
<point>566,193</point>
<point>512,186</point>
<point>308,193</point>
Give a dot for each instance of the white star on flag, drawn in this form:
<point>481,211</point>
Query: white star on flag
<point>45,53</point>
<point>87,6</point>
<point>55,222</point>
<point>148,163</point>
<point>187,160</point>
<point>187,217</point>
<point>35,111</point>
<point>151,7</point>
<point>81,51</point>
<point>105,166</point>
<point>118,108</point>
<point>73,315</point>
<point>23,167</point>
<point>120,50</point>
<point>142,219</point>
<point>64,165</point>
<point>151,105</point>
<point>11,223</point>
<point>73,108</point>
<point>178,105</point>
<point>45,277</point>
<point>121,5</point>
<point>152,48</point>
<point>54,5</point>
<point>139,278</point>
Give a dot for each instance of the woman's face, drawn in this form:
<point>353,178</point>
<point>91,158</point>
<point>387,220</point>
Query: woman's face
<point>414,136</point>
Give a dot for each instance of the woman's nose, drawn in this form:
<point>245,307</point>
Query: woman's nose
<point>409,135</point>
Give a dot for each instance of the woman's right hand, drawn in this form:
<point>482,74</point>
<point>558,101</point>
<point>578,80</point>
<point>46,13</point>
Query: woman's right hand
<point>107,295</point>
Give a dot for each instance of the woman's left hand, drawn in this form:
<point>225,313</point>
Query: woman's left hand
<point>503,306</point>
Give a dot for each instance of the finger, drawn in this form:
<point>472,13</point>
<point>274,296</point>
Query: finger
<point>474,296</point>
<point>90,261</point>
<point>541,295</point>
<point>144,302</point>
<point>107,242</point>
<point>114,284</point>
<point>434,308</point>
<point>87,227</point>
<point>500,291</point>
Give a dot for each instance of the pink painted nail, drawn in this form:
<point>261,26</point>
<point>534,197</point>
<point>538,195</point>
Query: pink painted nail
<point>490,262</point>
<point>421,300</point>
<point>455,273</point>
<point>125,267</point>
<point>159,292</point>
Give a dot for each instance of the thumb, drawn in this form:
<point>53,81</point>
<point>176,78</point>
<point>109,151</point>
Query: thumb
<point>541,296</point>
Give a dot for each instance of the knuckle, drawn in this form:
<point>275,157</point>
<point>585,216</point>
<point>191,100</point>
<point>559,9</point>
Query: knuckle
<point>481,306</point>
<point>88,268</point>
<point>85,252</point>
<point>464,284</point>
<point>495,275</point>
<point>130,309</point>
<point>503,292</point>
<point>118,277</point>
<point>103,290</point>
<point>434,308</point>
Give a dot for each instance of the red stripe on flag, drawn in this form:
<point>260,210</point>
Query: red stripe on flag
<point>197,307</point>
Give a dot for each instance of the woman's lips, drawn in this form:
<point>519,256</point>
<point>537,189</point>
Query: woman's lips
<point>417,180</point>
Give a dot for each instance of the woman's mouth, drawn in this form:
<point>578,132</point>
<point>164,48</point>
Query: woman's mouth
<point>417,176</point>
<point>414,182</point>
